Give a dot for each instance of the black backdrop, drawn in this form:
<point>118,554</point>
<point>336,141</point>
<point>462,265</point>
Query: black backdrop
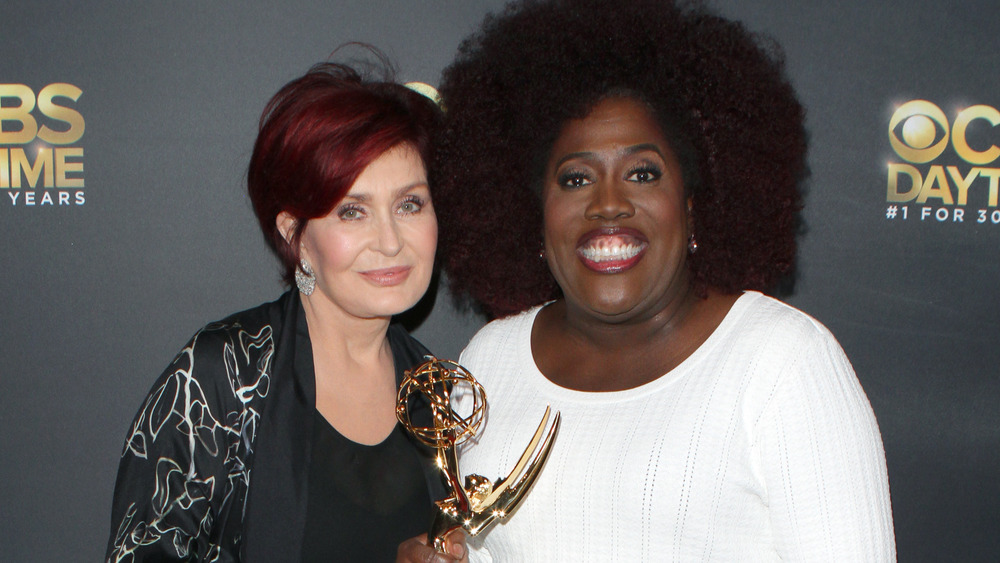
<point>99,287</point>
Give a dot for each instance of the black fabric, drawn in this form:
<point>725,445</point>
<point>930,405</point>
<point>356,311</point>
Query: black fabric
<point>364,500</point>
<point>216,463</point>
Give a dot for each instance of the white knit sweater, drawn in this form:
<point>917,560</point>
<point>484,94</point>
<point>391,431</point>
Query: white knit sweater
<point>761,446</point>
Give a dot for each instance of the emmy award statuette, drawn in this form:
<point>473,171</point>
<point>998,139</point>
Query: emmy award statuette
<point>479,502</point>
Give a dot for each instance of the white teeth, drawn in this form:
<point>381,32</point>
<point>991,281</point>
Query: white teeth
<point>611,252</point>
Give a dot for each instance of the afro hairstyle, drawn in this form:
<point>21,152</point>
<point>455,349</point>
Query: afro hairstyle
<point>718,91</point>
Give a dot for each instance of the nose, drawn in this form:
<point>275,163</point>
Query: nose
<point>609,200</point>
<point>388,241</point>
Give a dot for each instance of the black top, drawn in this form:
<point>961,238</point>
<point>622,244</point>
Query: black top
<point>361,497</point>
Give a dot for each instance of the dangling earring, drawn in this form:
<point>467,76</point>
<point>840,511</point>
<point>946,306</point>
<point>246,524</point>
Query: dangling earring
<point>692,244</point>
<point>305,278</point>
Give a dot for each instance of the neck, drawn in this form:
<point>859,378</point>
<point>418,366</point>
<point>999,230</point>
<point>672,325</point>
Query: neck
<point>576,349</point>
<point>334,333</point>
<point>354,372</point>
<point>624,331</point>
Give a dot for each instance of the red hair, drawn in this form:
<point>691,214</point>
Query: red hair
<point>316,136</point>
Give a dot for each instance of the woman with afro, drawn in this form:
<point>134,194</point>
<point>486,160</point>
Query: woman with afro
<point>620,182</point>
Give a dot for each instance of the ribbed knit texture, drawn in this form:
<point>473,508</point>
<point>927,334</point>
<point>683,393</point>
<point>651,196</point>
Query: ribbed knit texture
<point>761,446</point>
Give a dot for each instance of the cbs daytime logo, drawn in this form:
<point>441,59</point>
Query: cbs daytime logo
<point>40,164</point>
<point>934,183</point>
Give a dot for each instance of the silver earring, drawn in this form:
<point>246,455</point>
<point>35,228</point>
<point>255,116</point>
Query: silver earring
<point>692,244</point>
<point>305,278</point>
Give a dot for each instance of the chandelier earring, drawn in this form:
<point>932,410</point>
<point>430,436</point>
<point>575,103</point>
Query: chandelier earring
<point>692,244</point>
<point>305,278</point>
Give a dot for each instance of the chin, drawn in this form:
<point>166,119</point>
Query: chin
<point>614,315</point>
<point>395,305</point>
<point>612,308</point>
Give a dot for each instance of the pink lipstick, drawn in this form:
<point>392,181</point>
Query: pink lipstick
<point>387,277</point>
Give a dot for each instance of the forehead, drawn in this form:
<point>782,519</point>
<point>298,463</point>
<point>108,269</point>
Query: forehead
<point>612,124</point>
<point>398,167</point>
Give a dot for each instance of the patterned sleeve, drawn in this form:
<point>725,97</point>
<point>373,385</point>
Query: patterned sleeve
<point>822,460</point>
<point>184,461</point>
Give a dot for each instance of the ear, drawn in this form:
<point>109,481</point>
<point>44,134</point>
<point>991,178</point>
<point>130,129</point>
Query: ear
<point>286,225</point>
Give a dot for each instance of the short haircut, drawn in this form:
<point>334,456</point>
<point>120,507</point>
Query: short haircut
<point>317,135</point>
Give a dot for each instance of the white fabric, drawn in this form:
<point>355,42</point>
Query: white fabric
<point>761,446</point>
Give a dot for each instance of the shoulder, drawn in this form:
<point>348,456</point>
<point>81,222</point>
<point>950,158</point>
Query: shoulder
<point>508,334</point>
<point>230,359</point>
<point>774,327</point>
<point>773,348</point>
<point>798,370</point>
<point>767,310</point>
<point>268,316</point>
<point>188,451</point>
<point>224,367</point>
<point>816,439</point>
<point>505,328</point>
<point>247,330</point>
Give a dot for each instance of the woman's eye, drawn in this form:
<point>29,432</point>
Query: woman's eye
<point>411,205</point>
<point>349,213</point>
<point>574,180</point>
<point>644,174</point>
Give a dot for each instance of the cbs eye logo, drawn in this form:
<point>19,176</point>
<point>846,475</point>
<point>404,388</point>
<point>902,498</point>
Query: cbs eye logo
<point>919,132</point>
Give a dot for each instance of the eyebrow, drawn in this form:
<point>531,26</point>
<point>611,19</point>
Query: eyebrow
<point>643,147</point>
<point>627,151</point>
<point>365,198</point>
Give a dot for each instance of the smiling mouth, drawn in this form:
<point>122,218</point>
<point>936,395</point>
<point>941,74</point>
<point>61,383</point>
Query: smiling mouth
<point>387,277</point>
<point>611,250</point>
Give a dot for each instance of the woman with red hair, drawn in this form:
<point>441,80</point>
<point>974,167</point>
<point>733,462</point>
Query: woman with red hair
<point>272,436</point>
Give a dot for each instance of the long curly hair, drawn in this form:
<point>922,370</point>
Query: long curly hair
<point>718,91</point>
